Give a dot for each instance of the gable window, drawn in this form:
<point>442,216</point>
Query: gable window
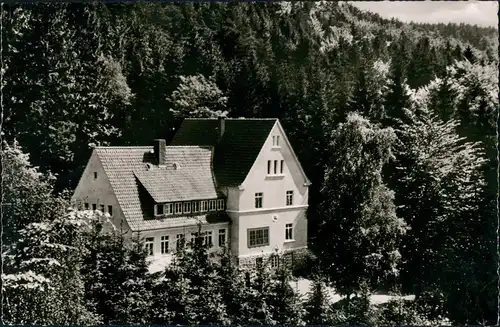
<point>208,238</point>
<point>222,237</point>
<point>95,175</point>
<point>289,198</point>
<point>178,207</point>
<point>288,232</point>
<point>169,208</point>
<point>101,208</point>
<point>164,244</point>
<point>281,166</point>
<point>258,200</point>
<point>276,140</point>
<point>187,207</point>
<point>159,209</point>
<point>110,210</point>
<point>179,242</point>
<point>149,245</point>
<point>269,167</point>
<point>204,206</point>
<point>94,206</point>
<point>212,205</point>
<point>275,167</point>
<point>86,205</point>
<point>220,204</point>
<point>196,206</point>
<point>258,237</point>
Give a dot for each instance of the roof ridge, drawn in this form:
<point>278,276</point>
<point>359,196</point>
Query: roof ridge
<point>122,146</point>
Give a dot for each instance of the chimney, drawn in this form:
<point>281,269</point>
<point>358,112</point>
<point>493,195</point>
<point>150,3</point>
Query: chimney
<point>222,126</point>
<point>159,151</point>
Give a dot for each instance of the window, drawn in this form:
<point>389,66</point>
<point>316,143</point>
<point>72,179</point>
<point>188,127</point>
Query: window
<point>179,242</point>
<point>281,166</point>
<point>212,205</point>
<point>220,204</point>
<point>208,238</point>
<point>222,237</point>
<point>94,206</point>
<point>169,208</point>
<point>275,167</point>
<point>275,261</point>
<point>178,207</point>
<point>269,167</point>
<point>149,245</point>
<point>164,244</point>
<point>95,175</point>
<point>258,237</point>
<point>110,210</point>
<point>86,205</point>
<point>159,209</point>
<point>196,206</point>
<point>276,140</point>
<point>187,207</point>
<point>288,232</point>
<point>258,200</point>
<point>194,237</point>
<point>258,261</point>
<point>204,206</point>
<point>101,208</point>
<point>289,198</point>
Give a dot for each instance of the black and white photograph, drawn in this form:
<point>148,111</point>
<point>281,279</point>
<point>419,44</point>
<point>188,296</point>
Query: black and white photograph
<point>299,163</point>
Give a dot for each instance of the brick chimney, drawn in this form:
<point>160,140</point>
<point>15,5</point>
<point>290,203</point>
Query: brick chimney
<point>159,151</point>
<point>222,126</point>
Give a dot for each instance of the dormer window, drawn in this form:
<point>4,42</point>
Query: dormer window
<point>159,209</point>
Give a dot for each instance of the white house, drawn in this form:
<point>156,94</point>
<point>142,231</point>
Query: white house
<point>239,179</point>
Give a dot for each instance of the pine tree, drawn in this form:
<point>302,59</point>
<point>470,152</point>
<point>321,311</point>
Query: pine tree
<point>318,305</point>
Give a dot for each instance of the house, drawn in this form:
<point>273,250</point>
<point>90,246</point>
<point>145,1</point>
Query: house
<point>238,180</point>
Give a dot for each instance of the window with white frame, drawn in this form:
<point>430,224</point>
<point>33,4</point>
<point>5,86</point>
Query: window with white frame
<point>178,207</point>
<point>274,260</point>
<point>258,199</point>
<point>213,204</point>
<point>179,242</point>
<point>289,198</point>
<point>220,204</point>
<point>169,208</point>
<point>195,206</point>
<point>222,237</point>
<point>276,140</point>
<point>208,238</point>
<point>204,206</point>
<point>164,244</point>
<point>159,209</point>
<point>258,237</point>
<point>187,207</point>
<point>149,245</point>
<point>289,232</point>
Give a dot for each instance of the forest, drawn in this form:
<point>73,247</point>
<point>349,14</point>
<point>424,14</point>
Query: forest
<point>395,125</point>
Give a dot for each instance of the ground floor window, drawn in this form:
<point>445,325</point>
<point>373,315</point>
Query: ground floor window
<point>164,244</point>
<point>149,245</point>
<point>258,237</point>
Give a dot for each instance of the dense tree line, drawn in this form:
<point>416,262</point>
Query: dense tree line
<point>394,124</point>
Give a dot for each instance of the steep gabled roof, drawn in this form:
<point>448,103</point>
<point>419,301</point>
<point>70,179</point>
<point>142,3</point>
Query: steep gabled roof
<point>130,171</point>
<point>238,149</point>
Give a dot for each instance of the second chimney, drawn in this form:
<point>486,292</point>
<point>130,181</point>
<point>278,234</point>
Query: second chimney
<point>160,151</point>
<point>222,126</point>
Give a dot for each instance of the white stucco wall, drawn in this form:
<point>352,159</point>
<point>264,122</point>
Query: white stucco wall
<point>98,191</point>
<point>274,188</point>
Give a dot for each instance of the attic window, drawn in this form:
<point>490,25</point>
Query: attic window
<point>176,166</point>
<point>95,175</point>
<point>159,209</point>
<point>276,141</point>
